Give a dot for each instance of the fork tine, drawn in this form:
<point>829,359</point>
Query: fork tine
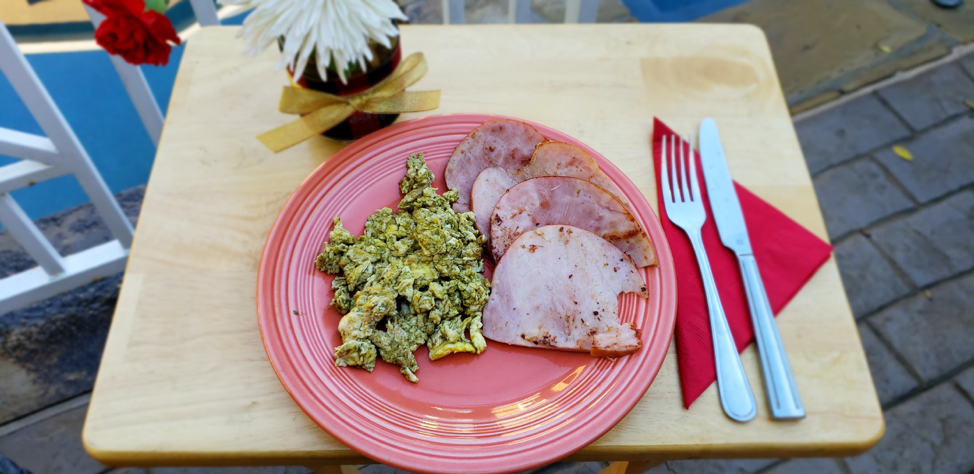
<point>664,177</point>
<point>674,167</point>
<point>693,173</point>
<point>684,184</point>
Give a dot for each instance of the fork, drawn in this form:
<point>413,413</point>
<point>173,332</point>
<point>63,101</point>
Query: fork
<point>684,208</point>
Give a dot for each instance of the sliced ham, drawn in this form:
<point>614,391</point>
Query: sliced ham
<point>562,159</point>
<point>549,159</point>
<point>571,201</point>
<point>558,288</point>
<point>617,341</point>
<point>490,185</point>
<point>502,143</point>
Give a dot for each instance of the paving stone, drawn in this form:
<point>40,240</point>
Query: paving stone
<point>942,161</point>
<point>571,468</point>
<point>931,433</point>
<point>856,194</point>
<point>9,467</point>
<point>815,42</point>
<point>13,258</point>
<point>967,62</point>
<point>869,280</point>
<point>718,466</point>
<point>52,445</point>
<point>928,48</point>
<point>932,334</point>
<point>218,470</point>
<point>808,466</point>
<point>934,243</point>
<point>956,22</point>
<point>17,391</point>
<point>966,382</point>
<point>380,469</point>
<point>297,470</point>
<point>931,97</point>
<point>847,131</point>
<point>889,376</point>
<point>53,347</point>
<point>70,231</point>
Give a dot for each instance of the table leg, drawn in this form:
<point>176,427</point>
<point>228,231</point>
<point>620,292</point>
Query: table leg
<point>630,467</point>
<point>333,469</point>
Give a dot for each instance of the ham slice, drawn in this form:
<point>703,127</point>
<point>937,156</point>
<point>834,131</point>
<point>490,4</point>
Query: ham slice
<point>562,159</point>
<point>490,185</point>
<point>549,159</point>
<point>503,143</point>
<point>558,288</point>
<point>571,201</point>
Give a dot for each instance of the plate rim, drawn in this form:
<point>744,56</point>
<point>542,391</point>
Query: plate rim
<point>336,163</point>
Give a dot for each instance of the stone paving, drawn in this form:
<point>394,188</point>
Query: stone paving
<point>826,48</point>
<point>903,232</point>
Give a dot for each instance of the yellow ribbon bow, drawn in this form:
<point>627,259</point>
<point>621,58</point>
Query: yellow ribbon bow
<point>322,111</point>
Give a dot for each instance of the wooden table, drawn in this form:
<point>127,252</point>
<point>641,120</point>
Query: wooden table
<point>184,379</point>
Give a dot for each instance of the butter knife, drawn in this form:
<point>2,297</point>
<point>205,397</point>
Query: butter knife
<point>780,384</point>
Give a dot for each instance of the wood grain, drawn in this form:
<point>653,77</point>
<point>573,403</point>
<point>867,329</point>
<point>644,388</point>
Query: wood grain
<point>185,379</point>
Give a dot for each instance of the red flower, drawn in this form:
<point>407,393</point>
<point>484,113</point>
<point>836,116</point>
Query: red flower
<point>138,35</point>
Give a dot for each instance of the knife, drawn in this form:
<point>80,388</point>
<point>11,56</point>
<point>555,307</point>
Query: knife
<point>782,393</point>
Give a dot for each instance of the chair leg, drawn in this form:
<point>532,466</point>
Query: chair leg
<point>630,467</point>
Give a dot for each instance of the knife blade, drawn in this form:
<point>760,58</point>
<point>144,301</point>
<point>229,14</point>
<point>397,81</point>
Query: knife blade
<point>782,392</point>
<point>720,188</point>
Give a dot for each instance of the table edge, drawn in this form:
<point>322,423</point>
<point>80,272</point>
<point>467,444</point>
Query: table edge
<point>125,458</point>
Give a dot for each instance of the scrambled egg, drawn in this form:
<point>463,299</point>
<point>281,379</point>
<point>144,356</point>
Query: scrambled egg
<point>418,273</point>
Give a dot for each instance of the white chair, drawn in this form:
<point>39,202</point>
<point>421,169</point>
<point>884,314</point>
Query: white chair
<point>134,80</point>
<point>519,11</point>
<point>42,158</point>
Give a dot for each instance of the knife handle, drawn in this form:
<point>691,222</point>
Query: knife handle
<point>780,383</point>
<point>732,385</point>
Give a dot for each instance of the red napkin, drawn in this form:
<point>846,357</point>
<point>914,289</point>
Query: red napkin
<point>787,254</point>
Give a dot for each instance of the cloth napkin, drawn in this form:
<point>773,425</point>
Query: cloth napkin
<point>787,255</point>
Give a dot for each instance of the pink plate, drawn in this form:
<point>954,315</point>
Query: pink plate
<point>506,410</point>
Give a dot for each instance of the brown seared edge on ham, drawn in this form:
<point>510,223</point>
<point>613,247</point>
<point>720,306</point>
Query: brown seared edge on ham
<point>562,159</point>
<point>549,159</point>
<point>562,200</point>
<point>503,143</point>
<point>557,288</point>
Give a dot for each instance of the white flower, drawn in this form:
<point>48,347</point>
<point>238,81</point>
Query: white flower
<point>337,29</point>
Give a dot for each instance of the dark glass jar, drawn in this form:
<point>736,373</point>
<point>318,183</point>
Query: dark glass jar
<point>384,61</point>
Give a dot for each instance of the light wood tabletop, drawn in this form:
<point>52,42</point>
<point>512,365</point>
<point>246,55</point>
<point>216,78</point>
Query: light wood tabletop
<point>185,379</point>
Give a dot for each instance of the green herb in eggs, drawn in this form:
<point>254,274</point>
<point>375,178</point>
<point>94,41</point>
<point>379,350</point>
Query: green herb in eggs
<point>418,271</point>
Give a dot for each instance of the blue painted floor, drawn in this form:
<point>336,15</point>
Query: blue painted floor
<point>86,88</point>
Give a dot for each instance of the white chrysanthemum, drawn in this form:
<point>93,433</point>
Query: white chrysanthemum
<point>337,29</point>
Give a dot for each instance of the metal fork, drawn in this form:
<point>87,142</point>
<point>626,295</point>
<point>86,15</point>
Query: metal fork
<point>685,209</point>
